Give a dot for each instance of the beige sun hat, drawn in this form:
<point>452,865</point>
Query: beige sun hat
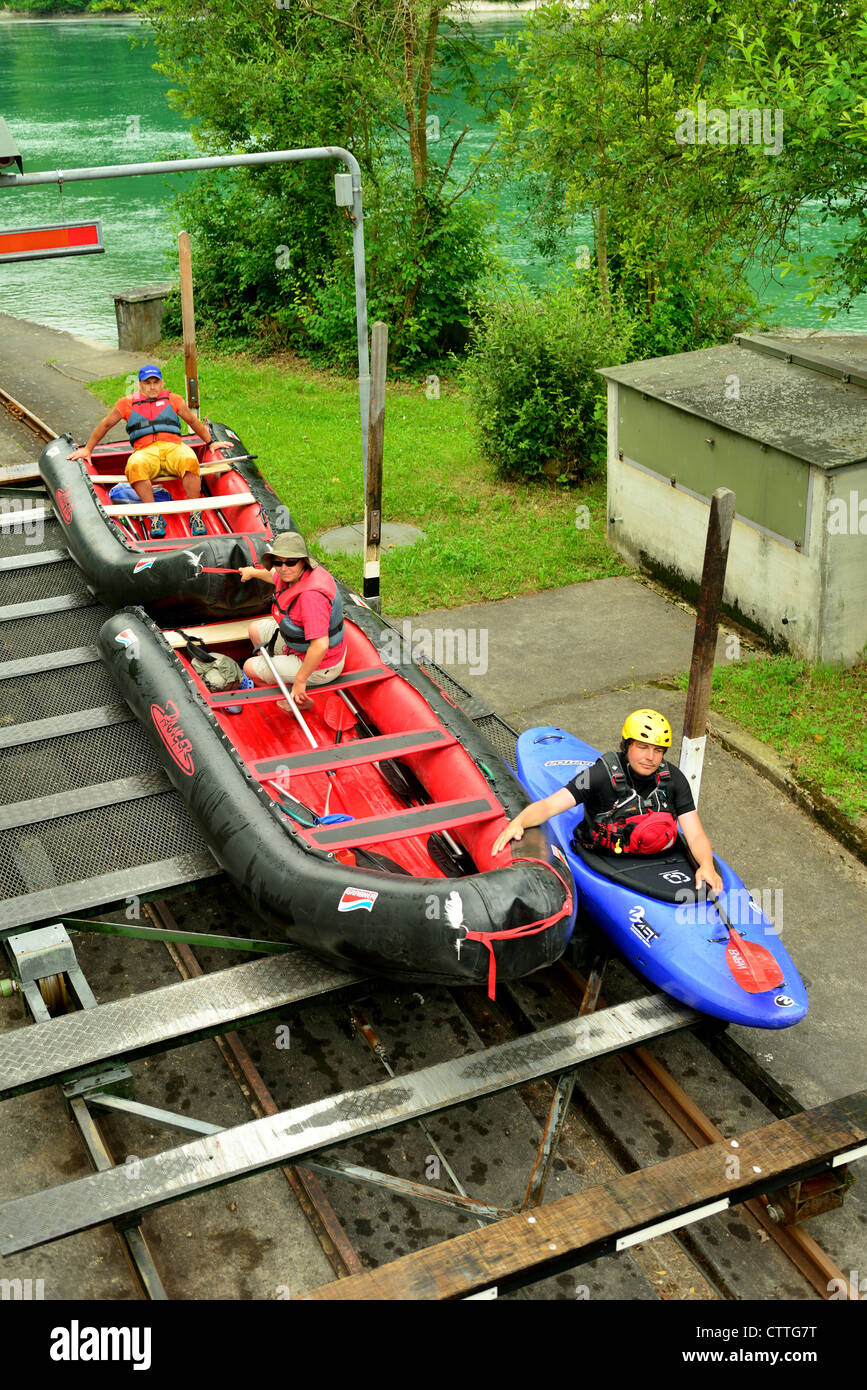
<point>289,545</point>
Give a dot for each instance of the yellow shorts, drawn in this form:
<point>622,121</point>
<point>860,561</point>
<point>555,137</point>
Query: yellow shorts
<point>161,457</point>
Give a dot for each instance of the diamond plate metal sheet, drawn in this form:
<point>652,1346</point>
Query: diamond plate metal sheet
<point>51,632</point>
<point>58,765</point>
<point>27,1222</point>
<point>30,583</point>
<point>46,903</point>
<point>43,1053</point>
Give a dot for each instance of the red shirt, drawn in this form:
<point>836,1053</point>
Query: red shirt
<point>312,611</point>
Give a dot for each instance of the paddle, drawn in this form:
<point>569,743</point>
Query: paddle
<point>330,773</point>
<point>752,966</point>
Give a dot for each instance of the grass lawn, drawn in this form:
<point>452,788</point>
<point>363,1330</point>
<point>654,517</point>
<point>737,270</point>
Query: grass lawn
<point>484,538</point>
<point>814,716</point>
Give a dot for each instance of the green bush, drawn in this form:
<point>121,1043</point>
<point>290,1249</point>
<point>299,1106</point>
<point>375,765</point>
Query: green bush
<point>538,399</point>
<point>273,266</point>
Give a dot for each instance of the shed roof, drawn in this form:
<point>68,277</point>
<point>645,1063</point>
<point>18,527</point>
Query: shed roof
<point>804,396</point>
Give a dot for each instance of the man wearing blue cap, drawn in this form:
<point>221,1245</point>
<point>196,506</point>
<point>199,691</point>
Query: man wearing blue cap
<point>153,422</point>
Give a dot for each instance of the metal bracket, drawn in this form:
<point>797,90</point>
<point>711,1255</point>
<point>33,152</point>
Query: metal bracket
<point>812,1196</point>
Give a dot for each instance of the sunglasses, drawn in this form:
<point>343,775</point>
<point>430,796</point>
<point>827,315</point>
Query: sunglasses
<point>287,564</point>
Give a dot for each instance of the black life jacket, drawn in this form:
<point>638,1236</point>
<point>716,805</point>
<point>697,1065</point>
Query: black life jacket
<point>636,823</point>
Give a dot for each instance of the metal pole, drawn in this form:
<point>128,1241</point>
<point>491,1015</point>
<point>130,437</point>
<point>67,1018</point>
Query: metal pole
<point>373,484</point>
<point>719,529</point>
<point>191,376</point>
<point>235,161</point>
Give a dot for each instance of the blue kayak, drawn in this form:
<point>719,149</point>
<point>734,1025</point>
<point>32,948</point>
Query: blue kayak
<point>648,907</point>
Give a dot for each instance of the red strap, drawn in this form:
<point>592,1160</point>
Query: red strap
<point>528,929</point>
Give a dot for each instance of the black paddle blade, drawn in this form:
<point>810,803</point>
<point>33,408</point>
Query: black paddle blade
<point>452,865</point>
<point>369,859</point>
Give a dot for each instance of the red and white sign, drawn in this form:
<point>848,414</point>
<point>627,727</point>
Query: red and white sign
<point>355,898</point>
<point>60,239</point>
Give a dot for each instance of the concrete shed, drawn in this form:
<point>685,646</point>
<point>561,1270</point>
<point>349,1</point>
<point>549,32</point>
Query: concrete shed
<point>782,421</point>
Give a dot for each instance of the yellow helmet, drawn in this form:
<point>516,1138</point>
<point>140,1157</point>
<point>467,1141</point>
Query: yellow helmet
<point>648,726</point>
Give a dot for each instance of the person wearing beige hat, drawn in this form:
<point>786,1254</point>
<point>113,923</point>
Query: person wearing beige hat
<point>305,629</point>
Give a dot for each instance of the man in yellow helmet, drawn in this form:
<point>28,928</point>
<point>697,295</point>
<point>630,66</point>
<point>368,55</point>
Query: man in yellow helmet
<point>633,801</point>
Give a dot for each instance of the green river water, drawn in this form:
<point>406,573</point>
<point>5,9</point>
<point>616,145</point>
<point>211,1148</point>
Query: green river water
<point>76,93</point>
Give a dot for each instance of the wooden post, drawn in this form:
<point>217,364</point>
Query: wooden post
<point>373,489</point>
<point>189,321</point>
<point>719,529</point>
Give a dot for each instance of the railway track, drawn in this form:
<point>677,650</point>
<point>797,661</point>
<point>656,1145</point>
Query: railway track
<point>582,1121</point>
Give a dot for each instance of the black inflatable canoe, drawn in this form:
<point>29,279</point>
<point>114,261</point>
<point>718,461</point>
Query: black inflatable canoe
<point>403,882</point>
<point>110,541</point>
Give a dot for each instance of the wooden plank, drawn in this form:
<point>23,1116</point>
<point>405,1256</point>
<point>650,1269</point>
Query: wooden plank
<point>195,504</point>
<point>719,530</point>
<point>212,634</point>
<point>536,1244</point>
<point>109,479</point>
<point>188,320</point>
<point>20,473</point>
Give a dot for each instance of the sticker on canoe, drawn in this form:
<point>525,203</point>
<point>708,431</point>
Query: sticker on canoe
<point>173,736</point>
<point>143,565</point>
<point>354,898</point>
<point>641,926</point>
<point>567,762</point>
<point>126,638</point>
<point>783,1001</point>
<point>555,849</point>
<point>64,504</point>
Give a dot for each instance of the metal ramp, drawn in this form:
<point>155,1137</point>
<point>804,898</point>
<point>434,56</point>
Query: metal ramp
<point>87,816</point>
<point>46,1054</point>
<point>287,1137</point>
<point>635,1207</point>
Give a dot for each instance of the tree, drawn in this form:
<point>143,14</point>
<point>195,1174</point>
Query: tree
<point>256,75</point>
<point>810,63</point>
<point>599,124</point>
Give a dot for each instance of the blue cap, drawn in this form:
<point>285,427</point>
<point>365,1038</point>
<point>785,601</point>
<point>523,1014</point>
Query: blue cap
<point>149,372</point>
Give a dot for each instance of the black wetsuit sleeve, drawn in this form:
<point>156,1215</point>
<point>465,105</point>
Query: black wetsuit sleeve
<point>590,781</point>
<point>680,794</point>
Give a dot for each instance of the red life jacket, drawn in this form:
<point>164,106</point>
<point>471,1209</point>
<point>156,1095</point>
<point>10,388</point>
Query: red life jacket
<point>635,824</point>
<point>147,420</point>
<point>320,581</point>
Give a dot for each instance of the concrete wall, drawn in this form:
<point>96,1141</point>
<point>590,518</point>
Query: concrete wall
<point>821,590</point>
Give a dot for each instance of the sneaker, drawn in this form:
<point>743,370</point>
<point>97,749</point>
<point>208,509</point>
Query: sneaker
<point>246,684</point>
<point>197,525</point>
<point>157,528</point>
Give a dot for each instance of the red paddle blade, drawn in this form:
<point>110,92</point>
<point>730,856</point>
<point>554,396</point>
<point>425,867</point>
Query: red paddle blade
<point>753,967</point>
<point>337,715</point>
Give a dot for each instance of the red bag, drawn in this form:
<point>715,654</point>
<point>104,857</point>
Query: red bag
<point>650,833</point>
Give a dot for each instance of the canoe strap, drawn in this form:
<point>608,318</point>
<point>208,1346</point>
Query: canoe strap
<point>528,929</point>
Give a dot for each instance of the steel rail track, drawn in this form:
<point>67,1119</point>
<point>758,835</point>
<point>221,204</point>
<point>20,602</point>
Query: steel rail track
<point>811,1261</point>
<point>26,417</point>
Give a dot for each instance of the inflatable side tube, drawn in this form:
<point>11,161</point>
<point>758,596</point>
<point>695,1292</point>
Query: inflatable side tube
<point>390,924</point>
<point>174,581</point>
